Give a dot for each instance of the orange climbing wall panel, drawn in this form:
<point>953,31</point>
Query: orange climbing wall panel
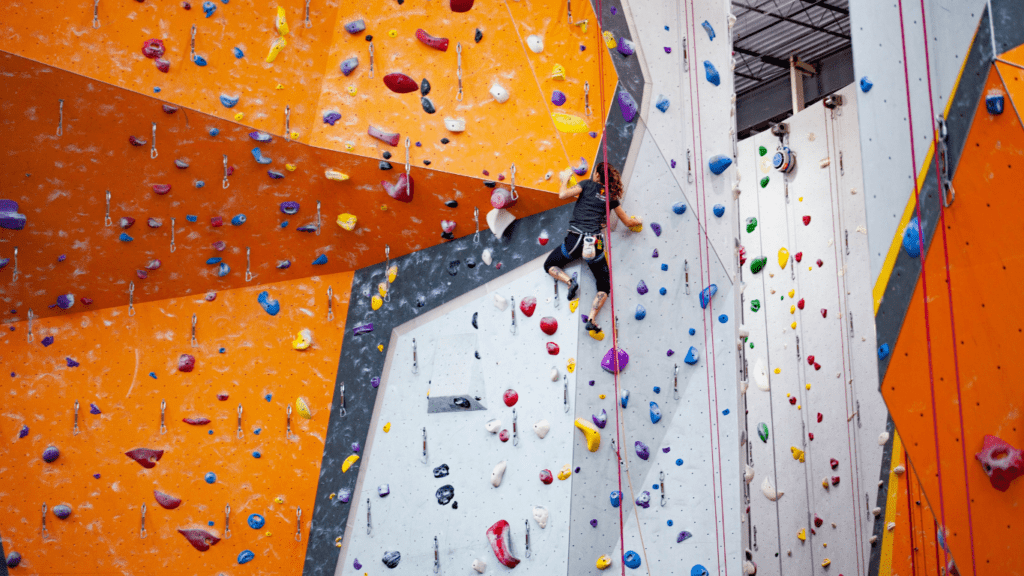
<point>59,183</point>
<point>982,230</point>
<point>117,353</point>
<point>306,75</point>
<point>915,548</point>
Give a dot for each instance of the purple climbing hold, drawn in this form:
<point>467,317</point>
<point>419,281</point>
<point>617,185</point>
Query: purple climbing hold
<point>23,432</point>
<point>13,559</point>
<point>62,511</point>
<point>558,97</point>
<point>94,409</point>
<point>656,228</point>
<point>600,419</point>
<point>363,329</point>
<point>260,136</point>
<point>50,454</point>
<point>355,563</point>
<point>666,449</point>
<point>706,295</point>
<point>670,352</point>
<point>289,207</point>
<point>348,65</point>
<point>331,116</point>
<point>375,381</point>
<point>71,362</point>
<point>64,301</point>
<point>593,522</point>
<point>644,499</point>
<point>641,288</point>
<point>344,495</point>
<point>47,341</point>
<point>609,361</point>
<point>627,105</point>
<point>580,170</point>
<point>655,253</point>
<point>626,47</point>
<point>642,450</point>
<point>355,27</point>
<point>683,536</point>
<point>9,216</point>
<point>356,447</point>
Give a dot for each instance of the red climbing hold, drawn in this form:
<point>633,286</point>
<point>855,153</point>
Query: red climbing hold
<point>502,198</point>
<point>153,48</point>
<point>386,137</point>
<point>1001,461</point>
<point>818,521</point>
<point>528,305</point>
<point>810,359</point>
<point>186,362</point>
<point>819,417</point>
<point>810,435</point>
<point>833,463</point>
<point>824,313</point>
<point>500,537</point>
<point>461,6</point>
<point>800,304</point>
<point>819,263</point>
<point>432,41</point>
<point>510,397</point>
<point>503,435</point>
<point>146,457</point>
<point>161,189</point>
<point>807,220</point>
<point>222,396</point>
<point>546,477</point>
<point>798,256</point>
<point>401,190</point>
<point>196,421</point>
<point>792,400</point>
<point>200,539</point>
<point>166,500</point>
<point>548,325</point>
<point>217,221</point>
<point>400,83</point>
<point>817,366</point>
<point>163,65</point>
<point>835,480</point>
<point>553,349</point>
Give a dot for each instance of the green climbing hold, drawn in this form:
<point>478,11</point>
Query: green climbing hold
<point>762,150</point>
<point>762,432</point>
<point>757,264</point>
<point>751,224</point>
<point>764,182</point>
<point>755,305</point>
<point>751,345</point>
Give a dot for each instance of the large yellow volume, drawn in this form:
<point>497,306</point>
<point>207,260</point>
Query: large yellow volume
<point>568,123</point>
<point>591,433</point>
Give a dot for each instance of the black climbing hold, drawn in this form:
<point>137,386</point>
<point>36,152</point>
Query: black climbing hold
<point>441,471</point>
<point>445,140</point>
<point>426,162</point>
<point>428,106</point>
<point>369,37</point>
<point>452,203</point>
<point>386,155</point>
<point>385,165</point>
<point>475,315</point>
<point>461,402</point>
<point>477,354</point>
<point>447,235</point>
<point>455,505</point>
<point>421,301</point>
<point>453,267</point>
<point>392,557</point>
<point>478,36</point>
<point>445,493</point>
<point>490,184</point>
<point>470,262</point>
<point>424,87</point>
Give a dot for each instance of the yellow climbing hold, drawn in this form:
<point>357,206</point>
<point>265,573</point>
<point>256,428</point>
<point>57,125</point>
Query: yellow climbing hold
<point>276,48</point>
<point>393,273</point>
<point>568,123</point>
<point>331,497</point>
<point>604,561</point>
<point>792,309</point>
<point>290,167</point>
<point>824,483</point>
<point>609,40</point>
<point>279,87</point>
<point>337,544</point>
<point>601,396</point>
<point>802,535</point>
<point>239,115</point>
<point>383,207</point>
<point>826,563</point>
<point>282,22</point>
<point>303,339</point>
<point>349,462</point>
<point>778,370</point>
<point>783,257</point>
<point>801,198</point>
<point>382,289</point>
<point>798,454</point>
<point>387,427</point>
<point>558,72</point>
<point>808,385</point>
<point>347,221</point>
<point>376,302</point>
<point>335,175</point>
<point>596,335</point>
<point>380,347</point>
<point>565,472</point>
<point>791,293</point>
<point>294,135</point>
<point>570,365</point>
<point>573,305</point>
<point>638,228</point>
<point>303,408</point>
<point>793,325</point>
<point>393,33</point>
<point>268,533</point>
<point>352,92</point>
<point>591,433</point>
<point>279,500</point>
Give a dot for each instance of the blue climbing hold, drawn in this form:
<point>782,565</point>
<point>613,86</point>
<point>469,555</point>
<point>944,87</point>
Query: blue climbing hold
<point>722,318</point>
<point>662,291</point>
<point>624,397</point>
<point>284,264</point>
<point>214,260</point>
<point>719,164</point>
<point>209,8</point>
<point>245,556</point>
<point>268,397</point>
<point>270,306</point>
<point>214,131</point>
<point>320,260</point>
<point>256,521</point>
<point>192,218</point>
<point>222,350</point>
<point>692,356</point>
<point>994,104</point>
<point>657,389</point>
<point>662,104</point>
<point>711,73</point>
<point>669,522</point>
<point>912,238</point>
<point>199,183</point>
<point>708,29</point>
<point>228,102</point>
<point>238,220</point>
<point>616,498</point>
<point>719,210</point>
<point>256,454</point>
<point>199,60</point>
<point>698,570</point>
<point>152,375</point>
<point>641,312</point>
<point>679,208</point>
<point>124,237</point>
<point>664,267</point>
<point>692,331</point>
<point>260,158</point>
<point>631,559</point>
<point>210,477</point>
<point>223,270</point>
<point>655,413</point>
<point>706,295</point>
<point>883,351</point>
<point>865,84</point>
<point>238,52</point>
<point>679,461</point>
<point>725,412</point>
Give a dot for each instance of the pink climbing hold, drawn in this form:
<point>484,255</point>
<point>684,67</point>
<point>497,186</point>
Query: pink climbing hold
<point>528,305</point>
<point>502,198</point>
<point>510,397</point>
<point>386,137</point>
<point>161,189</point>
<point>196,420</point>
<point>553,349</point>
<point>500,537</point>
<point>460,6</point>
<point>166,500</point>
<point>400,83</point>
<point>1001,462</point>
<point>200,539</point>
<point>153,48</point>
<point>432,41</point>
<point>186,362</point>
<point>548,325</point>
<point>146,457</point>
<point>401,190</point>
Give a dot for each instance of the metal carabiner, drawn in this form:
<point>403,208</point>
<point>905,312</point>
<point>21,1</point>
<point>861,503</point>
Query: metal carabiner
<point>74,431</point>
<point>424,444</point>
<point>163,410</point>
<point>437,557</point>
<point>515,428</point>
<point>371,60</point>
<point>224,184</point>
<point>565,391</point>
<point>369,525</point>
<point>341,392</point>
<point>288,422</point>
<point>556,291</point>
<point>107,221</point>
<point>173,247</point>
<point>528,538</point>
<point>239,433</point>
<point>288,115</point>
<point>96,14</point>
<point>142,528</point>
<point>227,518</point>
<point>248,265</point>
<point>387,273</point>
<point>513,329</point>
<point>476,219</point>
<point>675,383</point>
<point>661,484</point>
<point>586,97</point>
<point>513,194</point>
<point>152,150</point>
<point>330,303</point>
<point>689,166</point>
<point>45,532</point>
<point>298,524</point>
<point>194,341</point>
<point>319,221</point>
<point>131,298</point>
<point>458,71</point>
<point>415,363</point>
<point>60,125</point>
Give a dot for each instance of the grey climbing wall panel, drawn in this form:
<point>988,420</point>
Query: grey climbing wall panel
<point>815,328</point>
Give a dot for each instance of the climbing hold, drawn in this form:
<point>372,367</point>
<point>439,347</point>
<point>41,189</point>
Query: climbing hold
<point>432,41</point>
<point>644,499</point>
<point>401,190</point>
<point>590,433</point>
<point>706,294</point>
<point>631,559</point>
<point>546,477</point>
<point>762,432</point>
<point>535,43</point>
<point>349,461</point>
<point>679,207</point>
<point>499,93</point>
<point>355,27</point>
<point>13,559</point>
<point>200,539</point>
<point>275,49</point>
<point>626,47</point>
<point>454,124</point>
<point>616,498</point>
<point>332,116</point>
<point>238,220</point>
<point>718,164</point>
<point>600,420</point>
<point>500,537</point>
<point>391,558</point>
<point>642,450</point>
<point>400,83</point>
<point>196,420</point>
<point>624,397</point>
<point>613,362</point>
<point>865,84</point>
<point>757,264</point>
<point>146,457</point>
<point>269,305</point>
<point>383,490</point>
<point>548,324</point>
<point>783,257</point>
<point>558,97</point>
<point>1001,462</point>
<point>641,288</point>
<point>769,491</point>
<point>186,362</point>
<point>692,356</point>
<point>229,101</point>
<point>641,312</point>
<point>711,73</point>
<point>764,182</point>
<point>912,238</point>
<point>50,454</point>
<point>247,555</point>
<point>567,122</point>
<point>662,104</point>
<point>510,397</point>
<point>349,65</point>
<point>527,305</point>
<point>655,413</point>
<point>552,348</point>
<point>627,105</point>
<point>565,472</point>
<point>797,453</point>
<point>883,351</point>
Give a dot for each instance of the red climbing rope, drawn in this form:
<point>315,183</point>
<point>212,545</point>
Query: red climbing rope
<point>949,284</point>
<point>924,280</point>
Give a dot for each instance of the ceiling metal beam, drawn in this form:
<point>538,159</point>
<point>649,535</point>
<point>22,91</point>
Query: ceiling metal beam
<point>763,57</point>
<point>747,76</point>
<point>791,20</point>
<point>776,22</point>
<point>835,9</point>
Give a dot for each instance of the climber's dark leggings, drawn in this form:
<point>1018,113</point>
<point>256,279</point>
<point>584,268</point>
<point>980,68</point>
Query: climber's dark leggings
<point>572,249</point>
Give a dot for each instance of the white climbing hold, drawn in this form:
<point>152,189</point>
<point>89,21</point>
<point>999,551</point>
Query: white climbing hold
<point>499,471</point>
<point>486,257</point>
<point>890,526</point>
<point>493,426</point>
<point>479,566</point>
<point>536,43</point>
<point>769,491</point>
<point>899,470</point>
<point>761,375</point>
<point>873,539</point>
<point>883,438</point>
<point>540,514</point>
<point>499,93</point>
<point>554,374</point>
<point>500,302</point>
<point>749,568</point>
<point>498,220</point>
<point>455,124</point>
<point>542,428</point>
<point>876,511</point>
<point>748,474</point>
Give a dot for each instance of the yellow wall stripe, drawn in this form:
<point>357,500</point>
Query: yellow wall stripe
<point>885,562</point>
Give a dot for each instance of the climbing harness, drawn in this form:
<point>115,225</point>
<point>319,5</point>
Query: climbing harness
<point>163,410</point>
<point>194,341</point>
<point>74,431</point>
<point>458,70</point>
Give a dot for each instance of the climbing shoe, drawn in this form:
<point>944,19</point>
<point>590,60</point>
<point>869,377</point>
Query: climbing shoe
<point>591,327</point>
<point>574,288</point>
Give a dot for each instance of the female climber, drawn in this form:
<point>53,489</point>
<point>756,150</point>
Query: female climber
<point>585,237</point>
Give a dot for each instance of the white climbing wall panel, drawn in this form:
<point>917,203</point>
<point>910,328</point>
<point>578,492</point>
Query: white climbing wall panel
<point>409,518</point>
<point>812,343</point>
